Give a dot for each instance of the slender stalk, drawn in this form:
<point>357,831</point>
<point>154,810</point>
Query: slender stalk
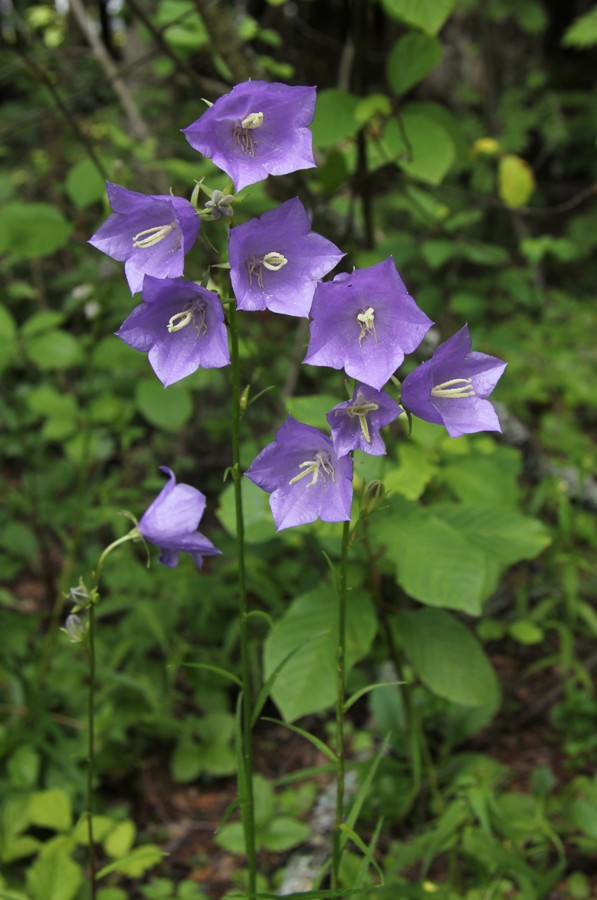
<point>248,816</point>
<point>341,682</point>
<point>90,746</point>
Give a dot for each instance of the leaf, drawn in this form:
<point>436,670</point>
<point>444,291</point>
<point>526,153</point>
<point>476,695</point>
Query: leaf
<point>363,848</point>
<point>335,117</point>
<point>411,59</point>
<point>84,184</point>
<point>185,763</point>
<point>23,765</point>
<point>50,809</point>
<point>421,146</point>
<point>583,31</point>
<point>308,681</point>
<point>312,409</point>
<point>166,408</point>
<point>435,563</point>
<point>283,833</point>
<point>54,877</point>
<point>366,690</point>
<point>428,15</point>
<point>259,524</point>
<point>135,864</point>
<point>317,742</point>
<point>516,180</point>
<point>448,658</point>
<point>53,350</point>
<point>223,673</point>
<point>120,840</point>
<point>32,230</point>
<point>414,473</point>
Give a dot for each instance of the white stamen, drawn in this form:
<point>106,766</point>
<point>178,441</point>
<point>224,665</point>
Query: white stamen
<point>242,133</point>
<point>194,314</point>
<point>360,407</point>
<point>321,465</point>
<point>273,261</point>
<point>253,120</point>
<point>154,236</point>
<point>455,389</point>
<point>366,320</point>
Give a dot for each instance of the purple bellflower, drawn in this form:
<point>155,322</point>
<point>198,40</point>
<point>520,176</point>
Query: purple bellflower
<point>305,476</point>
<point>150,234</point>
<point>256,130</point>
<point>451,388</point>
<point>180,325</point>
<point>355,424</point>
<point>171,523</point>
<point>276,261</point>
<point>364,322</point>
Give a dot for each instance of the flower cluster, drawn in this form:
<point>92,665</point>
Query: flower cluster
<point>363,322</point>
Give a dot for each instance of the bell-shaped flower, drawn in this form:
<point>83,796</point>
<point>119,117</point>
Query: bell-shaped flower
<point>355,424</point>
<point>256,130</point>
<point>276,261</point>
<point>180,325</point>
<point>364,323</point>
<point>171,523</point>
<point>305,476</point>
<point>451,388</point>
<point>150,234</point>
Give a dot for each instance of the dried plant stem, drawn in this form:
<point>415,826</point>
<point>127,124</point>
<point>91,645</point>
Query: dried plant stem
<point>341,684</point>
<point>246,794</point>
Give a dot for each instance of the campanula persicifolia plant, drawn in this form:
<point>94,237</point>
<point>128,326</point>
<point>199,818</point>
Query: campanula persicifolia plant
<point>363,322</point>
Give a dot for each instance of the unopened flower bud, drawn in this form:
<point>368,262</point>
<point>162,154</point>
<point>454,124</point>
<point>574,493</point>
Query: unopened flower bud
<point>75,629</point>
<point>373,495</point>
<point>220,204</point>
<point>79,595</point>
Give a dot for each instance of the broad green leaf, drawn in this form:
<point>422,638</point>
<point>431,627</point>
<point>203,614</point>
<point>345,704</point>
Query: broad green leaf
<point>503,534</point>
<point>183,28</point>
<point>84,184</point>
<point>23,765</point>
<point>435,563</point>
<point>53,350</point>
<point>448,659</point>
<point>421,147</point>
<point>19,847</point>
<point>166,408</point>
<point>307,683</point>
<point>46,320</point>
<point>413,474</point>
<point>411,59</point>
<point>526,632</point>
<point>335,117</point>
<point>50,809</point>
<point>516,180</point>
<point>136,863</point>
<point>428,15</point>
<point>119,841</point>
<point>372,106</point>
<point>32,230</point>
<point>259,525</point>
<point>311,410</point>
<point>283,833</point>
<point>485,480</point>
<point>54,877</point>
<point>8,326</point>
<point>583,31</point>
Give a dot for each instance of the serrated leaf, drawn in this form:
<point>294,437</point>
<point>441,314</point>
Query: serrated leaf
<point>411,59</point>
<point>413,474</point>
<point>428,15</point>
<point>516,180</point>
<point>503,534</point>
<point>307,683</point>
<point>448,658</point>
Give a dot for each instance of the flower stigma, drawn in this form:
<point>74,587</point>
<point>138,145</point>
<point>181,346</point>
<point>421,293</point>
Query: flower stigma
<point>321,465</point>
<point>193,313</point>
<point>361,407</point>
<point>242,133</point>
<point>273,261</point>
<point>152,236</point>
<point>455,389</point>
<point>366,320</point>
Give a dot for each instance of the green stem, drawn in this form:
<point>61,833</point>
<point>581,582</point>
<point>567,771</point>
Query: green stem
<point>90,747</point>
<point>247,800</point>
<point>341,666</point>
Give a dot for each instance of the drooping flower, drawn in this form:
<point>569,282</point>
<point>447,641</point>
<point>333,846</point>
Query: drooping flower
<point>364,322</point>
<point>305,476</point>
<point>355,424</point>
<point>256,130</point>
<point>150,234</point>
<point>276,260</point>
<point>451,388</point>
<point>171,523</point>
<point>180,325</point>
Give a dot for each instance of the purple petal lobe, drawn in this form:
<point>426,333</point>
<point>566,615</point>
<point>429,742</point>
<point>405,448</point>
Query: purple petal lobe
<point>355,424</point>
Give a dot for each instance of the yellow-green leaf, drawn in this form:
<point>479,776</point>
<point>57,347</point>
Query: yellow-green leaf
<point>516,180</point>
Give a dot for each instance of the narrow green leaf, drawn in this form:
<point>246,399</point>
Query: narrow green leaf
<point>370,687</point>
<point>217,670</point>
<point>363,848</point>
<point>363,791</point>
<point>319,744</point>
<point>266,688</point>
<point>137,862</point>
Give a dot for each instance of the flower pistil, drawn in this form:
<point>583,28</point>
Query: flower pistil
<point>194,313</point>
<point>273,261</point>
<point>366,320</point>
<point>242,133</point>
<point>455,389</point>
<point>152,236</point>
<point>361,408</point>
<point>321,465</point>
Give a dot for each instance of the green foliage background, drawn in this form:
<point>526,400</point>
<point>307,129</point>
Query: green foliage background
<point>456,136</point>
